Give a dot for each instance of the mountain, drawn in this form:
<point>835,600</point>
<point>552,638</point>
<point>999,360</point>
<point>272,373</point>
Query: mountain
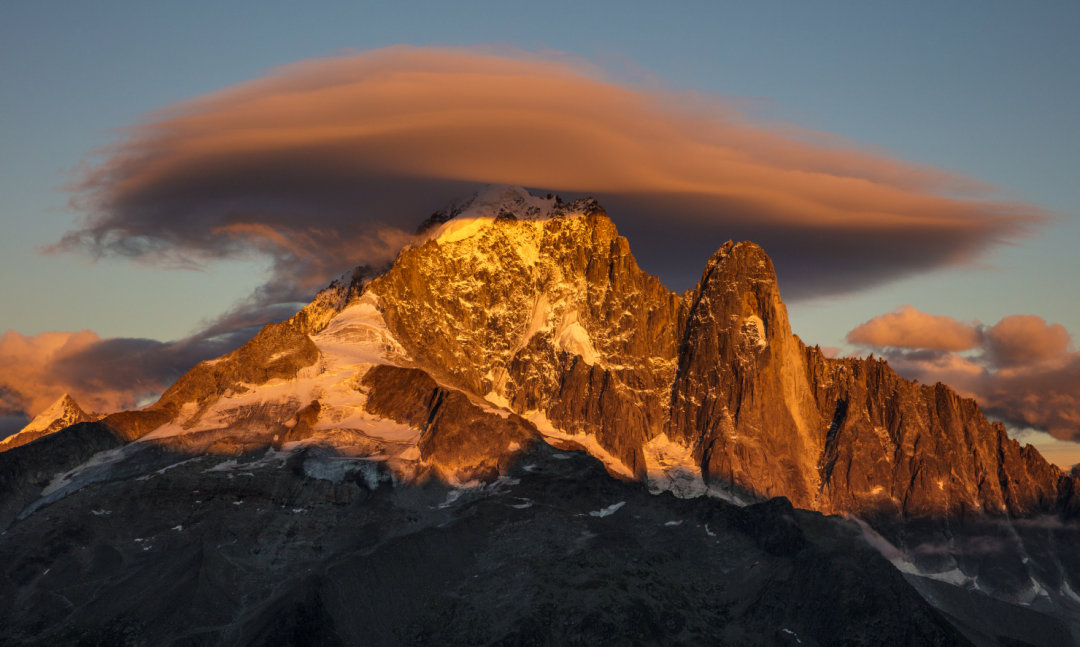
<point>452,413</point>
<point>60,414</point>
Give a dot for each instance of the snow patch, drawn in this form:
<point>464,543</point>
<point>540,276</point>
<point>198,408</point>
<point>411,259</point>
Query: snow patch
<point>92,470</point>
<point>955,576</point>
<point>670,467</point>
<point>589,442</point>
<point>335,469</point>
<point>487,205</point>
<point>461,228</point>
<point>451,497</point>
<point>608,511</point>
<point>1067,591</point>
<point>753,331</point>
<point>226,466</point>
<point>574,339</point>
<point>497,400</point>
<point>359,334</point>
<point>537,323</point>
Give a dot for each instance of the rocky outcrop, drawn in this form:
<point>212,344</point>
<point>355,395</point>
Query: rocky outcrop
<point>463,439</point>
<point>552,316</point>
<point>740,398</point>
<point>342,292</point>
<point>895,447</point>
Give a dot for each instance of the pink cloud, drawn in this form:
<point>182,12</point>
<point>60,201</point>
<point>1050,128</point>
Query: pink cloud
<point>1026,339</point>
<point>906,327</point>
<point>30,381</point>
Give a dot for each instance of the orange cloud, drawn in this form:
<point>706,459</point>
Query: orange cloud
<point>1026,339</point>
<point>327,163</point>
<point>29,381</point>
<point>906,327</point>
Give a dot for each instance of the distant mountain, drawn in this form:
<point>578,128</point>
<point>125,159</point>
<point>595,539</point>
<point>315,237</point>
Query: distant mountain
<point>428,408</point>
<point>60,414</point>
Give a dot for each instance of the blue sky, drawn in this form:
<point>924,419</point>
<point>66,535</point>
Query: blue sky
<point>987,89</point>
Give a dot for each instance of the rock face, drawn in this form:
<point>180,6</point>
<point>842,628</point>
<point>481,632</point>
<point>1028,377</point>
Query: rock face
<point>60,414</point>
<point>466,438</point>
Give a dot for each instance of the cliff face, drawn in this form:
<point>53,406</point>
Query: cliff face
<point>741,398</point>
<point>897,447</point>
<point>551,317</point>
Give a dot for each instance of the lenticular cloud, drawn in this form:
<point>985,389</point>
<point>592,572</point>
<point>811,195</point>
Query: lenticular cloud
<point>325,164</point>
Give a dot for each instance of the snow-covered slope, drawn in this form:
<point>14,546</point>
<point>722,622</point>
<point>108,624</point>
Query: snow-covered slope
<point>354,340</point>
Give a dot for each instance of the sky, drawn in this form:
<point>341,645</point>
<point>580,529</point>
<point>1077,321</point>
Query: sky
<point>952,124</point>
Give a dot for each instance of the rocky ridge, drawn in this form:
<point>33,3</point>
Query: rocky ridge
<point>553,320</point>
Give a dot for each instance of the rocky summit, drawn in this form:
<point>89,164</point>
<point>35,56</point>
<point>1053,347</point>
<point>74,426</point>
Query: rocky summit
<point>515,436</point>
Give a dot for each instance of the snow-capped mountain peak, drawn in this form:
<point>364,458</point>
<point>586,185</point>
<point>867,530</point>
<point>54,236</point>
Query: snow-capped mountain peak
<point>60,414</point>
<point>496,201</point>
<point>63,410</point>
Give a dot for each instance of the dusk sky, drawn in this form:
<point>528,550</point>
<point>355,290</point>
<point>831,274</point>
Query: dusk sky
<point>183,173</point>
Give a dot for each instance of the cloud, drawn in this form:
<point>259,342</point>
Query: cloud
<point>906,327</point>
<point>326,164</point>
<point>1021,340</point>
<point>1022,370</point>
<point>103,375</point>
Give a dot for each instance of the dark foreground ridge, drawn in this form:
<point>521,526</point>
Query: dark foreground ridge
<point>306,551</point>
